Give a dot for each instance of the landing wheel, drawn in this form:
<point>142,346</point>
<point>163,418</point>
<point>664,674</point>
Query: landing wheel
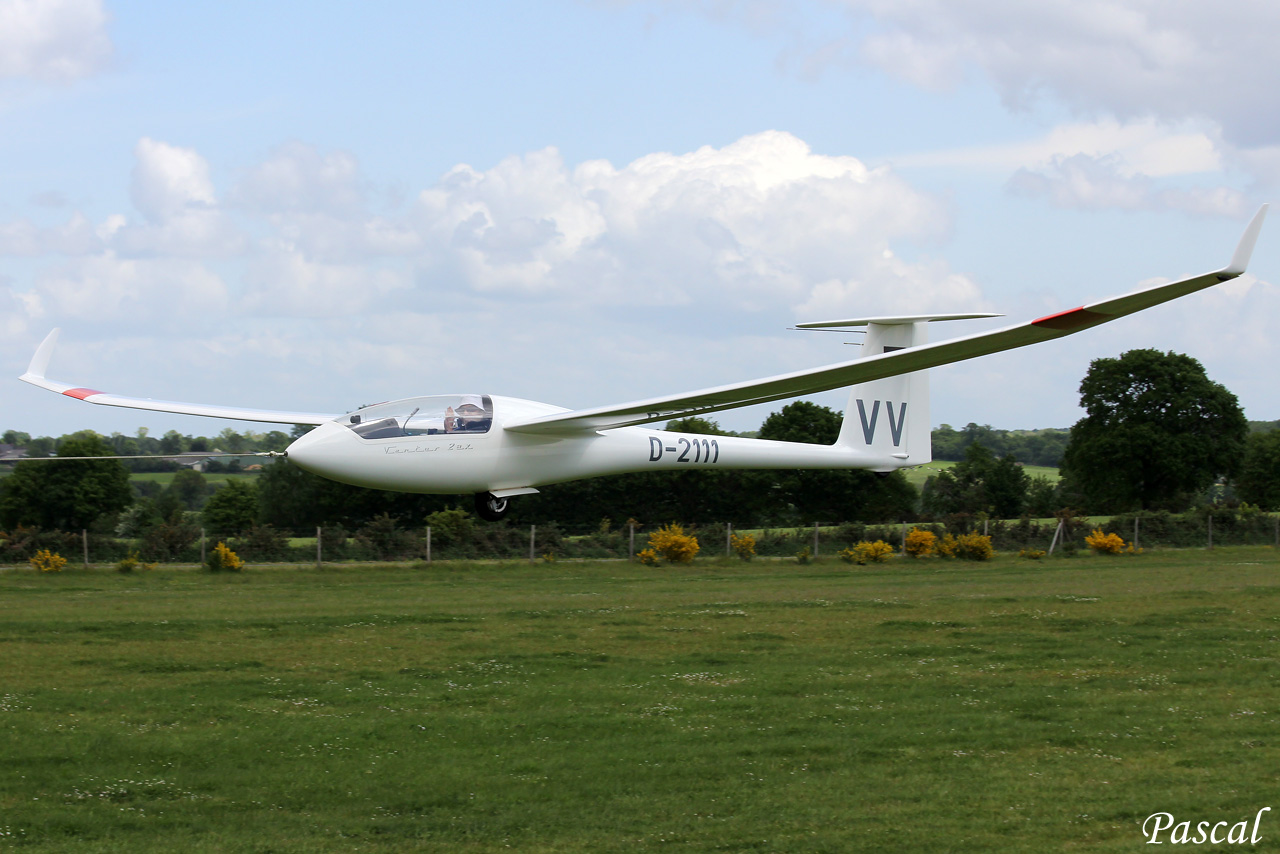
<point>490,507</point>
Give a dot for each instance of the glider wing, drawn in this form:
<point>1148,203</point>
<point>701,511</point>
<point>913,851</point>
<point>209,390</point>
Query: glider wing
<point>879,366</point>
<point>40,362</point>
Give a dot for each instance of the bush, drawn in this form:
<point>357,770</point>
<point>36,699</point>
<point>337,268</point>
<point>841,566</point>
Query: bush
<point>168,539</point>
<point>921,543</point>
<point>974,547</point>
<point>386,540</point>
<point>864,553</point>
<point>264,542</point>
<point>672,543</point>
<point>648,557</point>
<point>452,527</point>
<point>132,562</point>
<point>967,547</point>
<point>1031,554</point>
<point>47,561</point>
<point>1105,544</point>
<point>743,546</point>
<point>222,559</point>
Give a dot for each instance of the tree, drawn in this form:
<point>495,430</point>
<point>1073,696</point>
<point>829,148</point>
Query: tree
<point>1006,485</point>
<point>1259,480</point>
<point>172,443</point>
<point>1156,430</point>
<point>979,484</point>
<point>190,487</point>
<point>232,508</point>
<point>838,495</point>
<point>69,495</point>
<point>231,441</point>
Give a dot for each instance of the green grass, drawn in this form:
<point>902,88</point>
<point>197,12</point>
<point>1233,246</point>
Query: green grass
<point>917,475</point>
<point>606,707</point>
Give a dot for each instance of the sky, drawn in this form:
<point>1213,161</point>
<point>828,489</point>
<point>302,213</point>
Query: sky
<point>587,203</point>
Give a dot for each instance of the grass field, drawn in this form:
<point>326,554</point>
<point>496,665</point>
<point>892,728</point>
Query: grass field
<point>608,707</point>
<point>917,475</point>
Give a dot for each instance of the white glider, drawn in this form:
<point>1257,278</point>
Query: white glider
<point>499,447</point>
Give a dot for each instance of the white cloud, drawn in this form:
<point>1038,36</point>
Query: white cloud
<point>284,282</point>
<point>298,178</point>
<point>1143,146</point>
<point>692,263</point>
<point>755,224</point>
<point>169,180</point>
<point>108,289</point>
<point>1094,183</point>
<point>75,237</point>
<point>57,40</point>
<point>1128,58</point>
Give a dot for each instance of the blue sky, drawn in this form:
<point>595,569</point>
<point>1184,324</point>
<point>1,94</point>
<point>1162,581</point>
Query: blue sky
<point>588,203</point>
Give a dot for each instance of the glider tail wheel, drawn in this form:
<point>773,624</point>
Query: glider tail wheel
<point>490,507</point>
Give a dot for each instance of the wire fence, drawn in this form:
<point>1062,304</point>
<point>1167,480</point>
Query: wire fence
<point>186,542</point>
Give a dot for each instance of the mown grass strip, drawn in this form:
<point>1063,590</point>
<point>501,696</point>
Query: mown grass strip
<point>609,707</point>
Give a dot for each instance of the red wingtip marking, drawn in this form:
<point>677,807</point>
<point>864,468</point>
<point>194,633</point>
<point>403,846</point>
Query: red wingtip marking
<point>1072,318</point>
<point>81,393</point>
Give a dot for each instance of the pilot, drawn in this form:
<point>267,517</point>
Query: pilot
<point>471,415</point>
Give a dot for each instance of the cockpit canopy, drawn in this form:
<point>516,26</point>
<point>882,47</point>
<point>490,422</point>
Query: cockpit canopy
<point>423,416</point>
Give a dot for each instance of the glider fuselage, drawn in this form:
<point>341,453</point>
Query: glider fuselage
<point>417,445</point>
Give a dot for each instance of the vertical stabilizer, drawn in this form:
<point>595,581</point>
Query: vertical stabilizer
<point>890,417</point>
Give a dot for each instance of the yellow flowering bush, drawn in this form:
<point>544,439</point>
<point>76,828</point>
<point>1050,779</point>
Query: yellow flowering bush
<point>223,559</point>
<point>47,561</point>
<point>967,547</point>
<point>672,543</point>
<point>744,546</point>
<point>864,553</point>
<point>1105,544</point>
<point>921,543</point>
<point>133,562</point>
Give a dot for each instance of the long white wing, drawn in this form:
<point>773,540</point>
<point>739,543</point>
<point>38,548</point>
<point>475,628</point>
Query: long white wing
<point>40,363</point>
<point>877,367</point>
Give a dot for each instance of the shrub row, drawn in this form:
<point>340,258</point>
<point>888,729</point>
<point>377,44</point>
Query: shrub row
<point>455,534</point>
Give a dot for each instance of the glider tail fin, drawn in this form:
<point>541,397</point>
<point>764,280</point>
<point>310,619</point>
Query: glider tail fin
<point>890,417</point>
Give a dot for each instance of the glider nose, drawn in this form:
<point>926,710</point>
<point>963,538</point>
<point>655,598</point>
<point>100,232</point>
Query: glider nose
<point>323,450</point>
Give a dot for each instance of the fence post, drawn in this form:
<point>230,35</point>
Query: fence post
<point>631,547</point>
<point>904,538</point>
<point>1057,532</point>
<point>428,544</point>
<point>532,533</point>
<point>202,557</point>
<point>319,550</point>
<point>815,540</point>
<point>1135,532</point>
<point>1276,519</point>
<point>728,539</point>
<point>84,538</point>
<point>1210,529</point>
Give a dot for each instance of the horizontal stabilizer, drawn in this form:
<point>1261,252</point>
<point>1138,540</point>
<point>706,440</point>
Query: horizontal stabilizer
<point>895,320</point>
